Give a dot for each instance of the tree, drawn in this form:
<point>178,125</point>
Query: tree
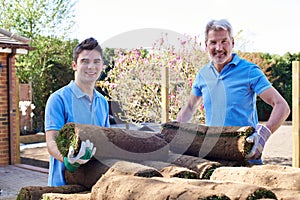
<point>278,69</point>
<point>282,73</point>
<point>50,69</point>
<point>31,18</point>
<point>48,23</point>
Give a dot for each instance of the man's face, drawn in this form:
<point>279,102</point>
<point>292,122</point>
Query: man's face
<point>89,66</point>
<point>219,46</point>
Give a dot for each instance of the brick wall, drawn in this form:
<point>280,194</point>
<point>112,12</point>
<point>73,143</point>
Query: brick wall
<point>5,128</point>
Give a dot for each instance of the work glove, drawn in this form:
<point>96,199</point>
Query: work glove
<point>259,138</point>
<point>86,152</point>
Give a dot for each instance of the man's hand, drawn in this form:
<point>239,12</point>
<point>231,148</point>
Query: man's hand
<point>259,138</point>
<point>86,152</point>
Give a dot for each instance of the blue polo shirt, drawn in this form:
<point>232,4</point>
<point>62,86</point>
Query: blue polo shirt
<point>70,104</point>
<point>229,97</point>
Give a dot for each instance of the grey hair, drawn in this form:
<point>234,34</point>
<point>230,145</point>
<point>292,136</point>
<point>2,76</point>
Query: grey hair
<point>216,25</point>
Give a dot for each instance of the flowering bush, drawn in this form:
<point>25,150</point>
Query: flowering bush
<point>135,80</point>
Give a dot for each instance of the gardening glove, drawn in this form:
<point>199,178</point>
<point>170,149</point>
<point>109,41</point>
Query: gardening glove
<point>259,138</point>
<point>86,152</point>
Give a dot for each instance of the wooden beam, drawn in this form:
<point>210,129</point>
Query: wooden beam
<point>296,113</point>
<point>165,93</point>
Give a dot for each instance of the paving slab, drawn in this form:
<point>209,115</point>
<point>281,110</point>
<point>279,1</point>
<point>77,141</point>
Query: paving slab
<point>14,177</point>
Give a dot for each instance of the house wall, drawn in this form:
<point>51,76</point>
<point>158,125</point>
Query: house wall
<point>9,132</point>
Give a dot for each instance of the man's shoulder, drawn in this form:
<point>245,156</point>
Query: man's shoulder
<point>63,91</point>
<point>99,95</point>
<point>205,67</point>
<point>242,61</point>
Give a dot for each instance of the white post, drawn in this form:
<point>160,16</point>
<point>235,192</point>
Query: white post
<point>165,93</point>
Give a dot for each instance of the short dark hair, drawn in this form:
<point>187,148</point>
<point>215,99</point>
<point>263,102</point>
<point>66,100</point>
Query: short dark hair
<point>87,44</point>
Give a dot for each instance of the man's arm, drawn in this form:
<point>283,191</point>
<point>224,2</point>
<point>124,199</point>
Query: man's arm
<point>278,115</point>
<point>280,110</point>
<point>187,111</point>
<point>52,146</point>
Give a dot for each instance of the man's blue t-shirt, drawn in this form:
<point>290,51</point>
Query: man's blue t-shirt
<point>70,104</point>
<point>229,97</point>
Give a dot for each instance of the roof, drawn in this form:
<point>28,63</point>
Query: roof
<point>10,41</point>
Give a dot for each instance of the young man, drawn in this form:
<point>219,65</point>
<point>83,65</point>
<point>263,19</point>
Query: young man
<point>228,86</point>
<point>76,102</point>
